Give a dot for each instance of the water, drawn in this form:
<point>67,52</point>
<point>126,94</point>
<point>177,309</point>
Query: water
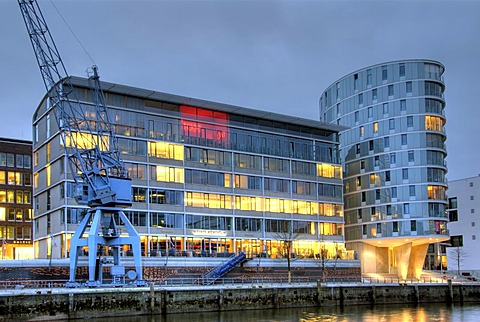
<point>384,313</point>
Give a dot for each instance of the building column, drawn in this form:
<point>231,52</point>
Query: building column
<point>417,258</point>
<point>402,254</point>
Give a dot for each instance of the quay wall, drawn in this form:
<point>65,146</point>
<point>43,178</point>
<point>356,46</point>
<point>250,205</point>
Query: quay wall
<point>51,304</point>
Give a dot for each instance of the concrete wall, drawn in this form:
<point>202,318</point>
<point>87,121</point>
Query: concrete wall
<point>48,304</point>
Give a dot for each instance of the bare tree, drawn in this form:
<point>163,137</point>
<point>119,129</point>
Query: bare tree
<point>458,255</point>
<point>287,238</point>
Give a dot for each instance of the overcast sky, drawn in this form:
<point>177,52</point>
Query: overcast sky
<point>269,55</point>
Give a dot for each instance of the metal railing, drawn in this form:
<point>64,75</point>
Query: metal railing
<point>252,281</point>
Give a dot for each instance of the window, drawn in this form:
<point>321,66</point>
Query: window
<point>436,192</point>
<point>472,197</point>
<point>364,196</point>
<point>393,158</point>
<point>362,164</point>
<point>386,142</point>
<point>403,105</point>
<point>456,241</point>
<point>401,70</point>
<point>405,174</point>
<point>48,126</point>
<point>453,215</point>
<point>360,99</point>
<point>27,161</point>
<point>377,194</point>
<point>385,108</point>
<point>355,81</point>
<point>413,225</point>
<point>362,130</point>
<point>433,123</point>
<point>374,94</point>
<point>376,161</point>
<point>384,73</point>
<point>375,127</point>
<point>395,226</point>
<point>472,211</point>
<point>391,124</point>
<point>370,145</point>
<point>411,190</point>
<point>452,203</point>
<point>387,176</point>
<point>369,77</point>
<point>357,148</point>
<point>404,139</point>
<point>406,208</point>
<point>409,121</point>
<point>393,192</point>
<point>474,237</point>
<point>390,90</point>
<point>411,156</point>
<point>370,112</point>
<point>471,184</point>
<point>357,116</point>
<point>473,224</point>
<point>408,87</point>
<point>10,160</point>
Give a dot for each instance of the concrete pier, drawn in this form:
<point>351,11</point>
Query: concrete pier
<point>64,303</point>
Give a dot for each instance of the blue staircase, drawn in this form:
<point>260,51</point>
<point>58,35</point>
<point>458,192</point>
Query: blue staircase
<point>221,270</point>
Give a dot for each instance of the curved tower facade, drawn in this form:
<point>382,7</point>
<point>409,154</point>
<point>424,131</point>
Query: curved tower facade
<point>394,162</point>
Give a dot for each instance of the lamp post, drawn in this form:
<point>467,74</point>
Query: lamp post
<point>166,249</point>
<point>259,253</point>
<point>4,241</point>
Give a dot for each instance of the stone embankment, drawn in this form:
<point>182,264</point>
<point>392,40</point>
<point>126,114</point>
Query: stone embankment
<point>62,303</point>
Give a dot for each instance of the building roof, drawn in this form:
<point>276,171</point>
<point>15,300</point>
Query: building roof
<point>15,141</point>
<point>177,99</point>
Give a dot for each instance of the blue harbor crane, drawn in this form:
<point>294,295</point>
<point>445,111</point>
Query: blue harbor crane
<point>90,144</point>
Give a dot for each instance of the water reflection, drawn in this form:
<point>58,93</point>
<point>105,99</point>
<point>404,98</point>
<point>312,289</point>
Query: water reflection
<point>384,313</point>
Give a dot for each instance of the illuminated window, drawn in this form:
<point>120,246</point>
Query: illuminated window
<point>18,214</point>
<point>10,196</point>
<point>436,192</point>
<point>47,153</point>
<point>329,171</point>
<point>165,150</point>
<point>433,123</point>
<point>35,180</point>
<point>375,127</point>
<point>362,130</point>
<point>48,174</point>
<point>169,174</point>
<point>19,197</point>
<point>27,198</point>
<point>85,141</point>
<point>2,214</point>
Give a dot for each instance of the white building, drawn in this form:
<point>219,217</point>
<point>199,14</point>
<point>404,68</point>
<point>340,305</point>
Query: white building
<point>464,226</point>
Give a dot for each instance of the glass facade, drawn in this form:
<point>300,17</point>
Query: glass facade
<point>208,179</point>
<point>393,153</point>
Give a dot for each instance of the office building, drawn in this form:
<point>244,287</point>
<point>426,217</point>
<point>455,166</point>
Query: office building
<point>15,199</point>
<point>209,179</point>
<point>394,162</point>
